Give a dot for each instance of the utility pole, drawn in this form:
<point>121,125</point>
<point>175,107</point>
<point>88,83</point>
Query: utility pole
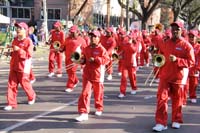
<point>108,14</point>
<point>45,19</point>
<point>127,16</point>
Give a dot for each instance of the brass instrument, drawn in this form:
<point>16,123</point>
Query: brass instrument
<point>76,57</point>
<point>158,26</point>
<point>56,45</point>
<point>115,57</point>
<point>158,61</point>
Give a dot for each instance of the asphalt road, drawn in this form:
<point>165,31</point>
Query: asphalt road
<point>55,110</point>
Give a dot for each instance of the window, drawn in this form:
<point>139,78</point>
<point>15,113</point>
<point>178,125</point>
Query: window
<point>52,14</point>
<point>21,13</point>
<point>3,11</point>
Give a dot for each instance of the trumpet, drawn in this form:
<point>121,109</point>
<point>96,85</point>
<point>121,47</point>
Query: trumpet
<point>158,61</point>
<point>56,45</point>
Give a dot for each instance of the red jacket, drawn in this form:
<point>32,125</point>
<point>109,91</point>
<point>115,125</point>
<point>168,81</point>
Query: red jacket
<point>177,72</point>
<point>21,59</point>
<point>57,36</point>
<point>71,45</point>
<point>94,71</point>
<point>108,43</point>
<point>194,71</point>
<point>129,51</point>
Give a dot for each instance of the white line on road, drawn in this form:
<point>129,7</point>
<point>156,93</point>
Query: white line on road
<point>6,130</point>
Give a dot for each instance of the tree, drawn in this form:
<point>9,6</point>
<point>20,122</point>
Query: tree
<point>177,6</point>
<point>191,15</point>
<point>147,8</point>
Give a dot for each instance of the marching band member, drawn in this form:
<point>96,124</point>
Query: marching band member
<point>156,39</point>
<point>20,66</point>
<point>95,57</point>
<point>144,55</point>
<point>179,57</point>
<point>109,43</point>
<point>129,50</point>
<point>121,40</point>
<point>57,39</point>
<point>73,43</point>
<point>194,71</point>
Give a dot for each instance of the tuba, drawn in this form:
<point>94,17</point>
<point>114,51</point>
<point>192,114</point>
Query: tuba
<point>158,60</point>
<point>56,45</point>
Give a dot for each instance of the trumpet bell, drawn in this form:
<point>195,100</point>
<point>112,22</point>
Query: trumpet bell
<point>76,57</point>
<point>115,56</point>
<point>158,60</point>
<point>56,45</point>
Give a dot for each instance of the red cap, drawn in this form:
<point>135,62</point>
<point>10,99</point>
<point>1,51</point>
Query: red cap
<point>57,24</point>
<point>74,28</point>
<point>110,29</point>
<point>22,25</point>
<point>177,23</point>
<point>95,33</point>
<point>193,32</point>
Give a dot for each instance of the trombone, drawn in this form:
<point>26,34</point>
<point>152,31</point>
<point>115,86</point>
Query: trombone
<point>158,61</point>
<point>75,58</point>
<point>115,58</point>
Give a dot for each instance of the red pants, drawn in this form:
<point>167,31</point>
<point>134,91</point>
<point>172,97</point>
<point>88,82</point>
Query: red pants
<point>144,58</point>
<point>32,75</point>
<point>120,66</point>
<point>131,73</point>
<point>185,92</point>
<point>162,102</point>
<point>109,67</point>
<point>55,56</point>
<point>16,78</point>
<point>84,98</point>
<point>193,83</point>
<point>72,79</point>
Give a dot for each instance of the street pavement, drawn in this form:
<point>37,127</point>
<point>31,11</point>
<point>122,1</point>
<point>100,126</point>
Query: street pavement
<point>55,109</point>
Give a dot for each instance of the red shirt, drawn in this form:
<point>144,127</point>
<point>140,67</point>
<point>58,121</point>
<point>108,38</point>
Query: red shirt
<point>57,36</point>
<point>177,72</point>
<point>94,71</point>
<point>21,59</point>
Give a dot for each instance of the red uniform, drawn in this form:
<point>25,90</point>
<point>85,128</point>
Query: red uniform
<point>109,44</point>
<point>194,73</point>
<point>129,65</point>
<point>173,76</point>
<point>20,66</point>
<point>55,55</point>
<point>71,45</point>
<point>93,78</point>
<point>145,55</point>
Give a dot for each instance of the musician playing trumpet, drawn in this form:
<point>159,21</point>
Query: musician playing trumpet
<point>57,39</point>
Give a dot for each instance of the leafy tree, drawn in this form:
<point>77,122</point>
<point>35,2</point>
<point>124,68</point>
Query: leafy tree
<point>147,9</point>
<point>191,15</point>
